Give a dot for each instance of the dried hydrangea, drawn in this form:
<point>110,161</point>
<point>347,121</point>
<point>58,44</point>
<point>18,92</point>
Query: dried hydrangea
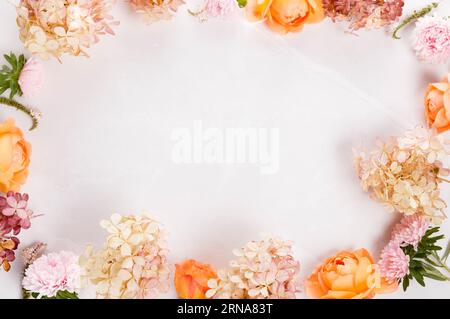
<point>264,269</point>
<point>367,14</point>
<point>56,27</point>
<point>155,10</point>
<point>404,173</point>
<point>14,216</point>
<point>133,264</point>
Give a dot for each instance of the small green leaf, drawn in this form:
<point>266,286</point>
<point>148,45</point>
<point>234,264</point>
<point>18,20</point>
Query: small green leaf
<point>405,283</point>
<point>242,3</point>
<point>64,294</point>
<point>446,252</point>
<point>418,277</point>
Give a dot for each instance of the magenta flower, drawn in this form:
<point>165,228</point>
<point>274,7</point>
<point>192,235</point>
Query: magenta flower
<point>431,39</point>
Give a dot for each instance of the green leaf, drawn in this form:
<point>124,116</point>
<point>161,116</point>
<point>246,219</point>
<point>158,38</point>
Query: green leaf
<point>64,294</point>
<point>405,283</point>
<point>418,276</point>
<point>13,90</point>
<point>446,252</point>
<point>242,3</point>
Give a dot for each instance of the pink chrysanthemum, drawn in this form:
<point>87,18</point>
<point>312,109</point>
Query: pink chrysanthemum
<point>431,39</point>
<point>220,8</point>
<point>52,273</point>
<point>410,230</point>
<point>394,264</point>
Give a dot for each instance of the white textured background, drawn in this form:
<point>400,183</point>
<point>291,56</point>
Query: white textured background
<point>104,144</point>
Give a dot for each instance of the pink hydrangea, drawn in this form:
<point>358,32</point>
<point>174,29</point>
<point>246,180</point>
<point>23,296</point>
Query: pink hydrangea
<point>52,273</point>
<point>394,264</point>
<point>431,39</point>
<point>220,8</point>
<point>31,78</point>
<point>410,230</point>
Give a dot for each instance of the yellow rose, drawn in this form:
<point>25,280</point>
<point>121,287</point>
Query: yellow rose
<point>14,157</point>
<point>348,275</point>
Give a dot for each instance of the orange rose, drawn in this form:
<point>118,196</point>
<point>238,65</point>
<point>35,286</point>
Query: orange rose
<point>191,279</point>
<point>437,105</point>
<point>14,157</point>
<point>348,275</point>
<point>285,16</point>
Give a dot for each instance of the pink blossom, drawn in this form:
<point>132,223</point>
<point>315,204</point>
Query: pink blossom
<point>410,230</point>
<point>31,78</point>
<point>394,264</point>
<point>52,273</point>
<point>220,8</point>
<point>431,39</point>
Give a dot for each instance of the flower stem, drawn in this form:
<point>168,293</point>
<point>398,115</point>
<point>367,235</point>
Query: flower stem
<point>444,180</point>
<point>413,17</point>
<point>22,108</point>
<point>441,263</point>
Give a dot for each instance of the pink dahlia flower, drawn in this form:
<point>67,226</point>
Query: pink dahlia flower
<point>410,230</point>
<point>52,273</point>
<point>31,78</point>
<point>220,8</point>
<point>394,264</point>
<point>431,39</point>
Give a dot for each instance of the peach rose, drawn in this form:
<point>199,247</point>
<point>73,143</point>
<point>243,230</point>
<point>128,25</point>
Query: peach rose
<point>191,279</point>
<point>348,275</point>
<point>14,157</point>
<point>437,105</point>
<point>285,16</point>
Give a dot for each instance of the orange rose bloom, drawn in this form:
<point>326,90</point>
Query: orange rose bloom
<point>437,105</point>
<point>14,157</point>
<point>285,16</point>
<point>191,279</point>
<point>348,275</point>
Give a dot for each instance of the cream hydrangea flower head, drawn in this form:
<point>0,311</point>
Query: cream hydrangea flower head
<point>404,173</point>
<point>155,10</point>
<point>133,264</point>
<point>263,269</point>
<point>56,27</point>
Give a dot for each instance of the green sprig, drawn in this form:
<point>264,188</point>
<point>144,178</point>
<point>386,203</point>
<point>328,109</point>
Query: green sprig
<point>22,108</point>
<point>9,74</point>
<point>61,294</point>
<point>413,17</point>
<point>425,262</point>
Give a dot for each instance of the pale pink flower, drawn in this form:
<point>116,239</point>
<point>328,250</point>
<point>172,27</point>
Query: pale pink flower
<point>31,78</point>
<point>410,230</point>
<point>394,264</point>
<point>52,273</point>
<point>220,8</point>
<point>431,39</point>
